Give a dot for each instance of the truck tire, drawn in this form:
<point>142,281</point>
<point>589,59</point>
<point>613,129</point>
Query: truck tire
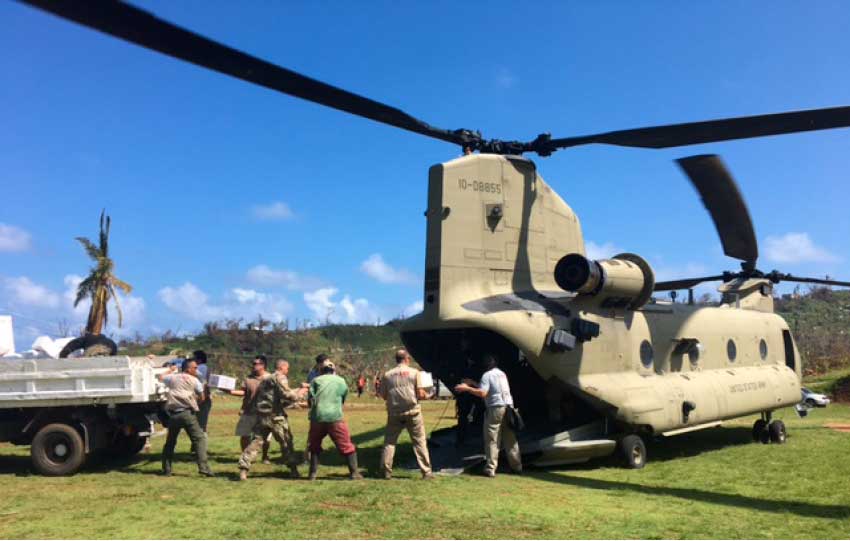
<point>57,449</point>
<point>127,446</point>
<point>95,345</point>
<point>633,451</point>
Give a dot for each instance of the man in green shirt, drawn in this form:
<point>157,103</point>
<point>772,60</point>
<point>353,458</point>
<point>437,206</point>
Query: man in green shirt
<point>327,394</point>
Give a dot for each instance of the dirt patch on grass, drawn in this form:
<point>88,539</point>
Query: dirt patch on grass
<point>839,427</point>
<point>340,506</point>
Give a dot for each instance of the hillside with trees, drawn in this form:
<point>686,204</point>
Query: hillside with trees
<point>232,345</point>
<point>819,319</point>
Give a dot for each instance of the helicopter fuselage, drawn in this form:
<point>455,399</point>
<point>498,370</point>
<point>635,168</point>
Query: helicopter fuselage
<point>495,233</point>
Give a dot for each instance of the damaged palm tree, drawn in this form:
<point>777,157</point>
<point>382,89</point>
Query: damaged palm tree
<point>99,286</point>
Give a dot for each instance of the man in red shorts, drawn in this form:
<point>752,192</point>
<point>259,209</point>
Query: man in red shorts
<point>327,394</point>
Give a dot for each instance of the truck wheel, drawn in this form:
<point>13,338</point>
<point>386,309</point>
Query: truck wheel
<point>633,450</point>
<point>127,446</point>
<point>57,449</point>
<point>777,432</point>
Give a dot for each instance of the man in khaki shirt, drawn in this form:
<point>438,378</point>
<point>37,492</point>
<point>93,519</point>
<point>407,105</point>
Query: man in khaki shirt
<point>400,389</point>
<point>182,407</point>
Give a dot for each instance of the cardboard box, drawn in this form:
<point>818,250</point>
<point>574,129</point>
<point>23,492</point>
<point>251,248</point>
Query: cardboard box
<point>425,380</point>
<point>222,382</point>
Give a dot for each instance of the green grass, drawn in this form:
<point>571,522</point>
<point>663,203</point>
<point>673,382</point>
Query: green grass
<point>709,484</point>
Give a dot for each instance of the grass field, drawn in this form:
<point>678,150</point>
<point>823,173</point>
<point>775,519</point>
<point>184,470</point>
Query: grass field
<point>709,484</point>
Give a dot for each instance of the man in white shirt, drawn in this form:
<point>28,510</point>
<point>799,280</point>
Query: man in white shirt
<point>204,407</point>
<point>496,392</point>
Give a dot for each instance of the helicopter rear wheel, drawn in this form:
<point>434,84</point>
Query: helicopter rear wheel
<point>760,432</point>
<point>633,450</point>
<point>777,433</point>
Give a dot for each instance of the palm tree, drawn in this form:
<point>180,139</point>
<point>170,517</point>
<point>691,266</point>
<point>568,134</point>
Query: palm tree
<point>100,284</point>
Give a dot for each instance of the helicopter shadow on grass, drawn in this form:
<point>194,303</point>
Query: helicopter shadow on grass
<point>718,498</point>
<point>688,445</point>
<point>696,443</point>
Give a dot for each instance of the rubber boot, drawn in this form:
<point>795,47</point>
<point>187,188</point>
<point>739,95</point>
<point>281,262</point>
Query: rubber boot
<point>314,466</point>
<point>352,466</point>
<point>166,467</point>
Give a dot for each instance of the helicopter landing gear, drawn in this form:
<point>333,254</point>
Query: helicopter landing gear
<point>776,429</point>
<point>633,451</point>
<point>767,431</point>
<point>760,432</point>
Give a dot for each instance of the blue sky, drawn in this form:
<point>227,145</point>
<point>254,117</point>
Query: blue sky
<point>230,200</point>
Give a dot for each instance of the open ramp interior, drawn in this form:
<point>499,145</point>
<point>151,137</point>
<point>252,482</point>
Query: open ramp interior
<point>539,447</point>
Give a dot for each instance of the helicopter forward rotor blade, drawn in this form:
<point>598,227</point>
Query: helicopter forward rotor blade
<point>694,133</point>
<point>725,204</point>
<point>132,24</point>
<point>686,283</point>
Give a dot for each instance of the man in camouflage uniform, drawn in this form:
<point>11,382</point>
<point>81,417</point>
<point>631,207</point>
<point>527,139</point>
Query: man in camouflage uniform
<point>273,396</point>
<point>282,375</point>
<point>400,388</point>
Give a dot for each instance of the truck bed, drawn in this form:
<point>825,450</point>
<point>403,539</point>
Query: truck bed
<point>79,381</point>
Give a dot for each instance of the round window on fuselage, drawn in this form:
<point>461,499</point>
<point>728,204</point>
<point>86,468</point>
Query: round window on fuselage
<point>646,353</point>
<point>731,350</point>
<point>763,349</point>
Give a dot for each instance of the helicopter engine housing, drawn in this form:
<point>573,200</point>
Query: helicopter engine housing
<point>624,281</point>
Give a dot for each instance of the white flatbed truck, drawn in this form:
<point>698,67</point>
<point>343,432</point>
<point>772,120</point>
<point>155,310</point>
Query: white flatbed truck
<point>67,409</point>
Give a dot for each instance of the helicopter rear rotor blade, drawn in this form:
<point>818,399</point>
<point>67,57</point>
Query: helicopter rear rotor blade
<point>711,131</point>
<point>725,204</point>
<point>685,283</point>
<point>137,26</point>
<point>779,277</point>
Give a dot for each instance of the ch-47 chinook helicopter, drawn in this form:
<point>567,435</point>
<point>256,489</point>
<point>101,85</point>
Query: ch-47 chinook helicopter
<point>595,362</point>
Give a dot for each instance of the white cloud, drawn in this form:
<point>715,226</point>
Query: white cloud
<point>275,211</point>
<point>191,302</point>
<point>187,300</point>
<point>325,308</point>
<point>505,78</point>
<point>796,248</point>
<point>413,309</point>
<point>319,302</point>
<point>601,251</point>
<point>81,311</point>
<point>357,310</point>
<point>26,293</point>
<point>377,268</point>
<point>263,275</point>
<point>35,302</point>
<point>13,239</point>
